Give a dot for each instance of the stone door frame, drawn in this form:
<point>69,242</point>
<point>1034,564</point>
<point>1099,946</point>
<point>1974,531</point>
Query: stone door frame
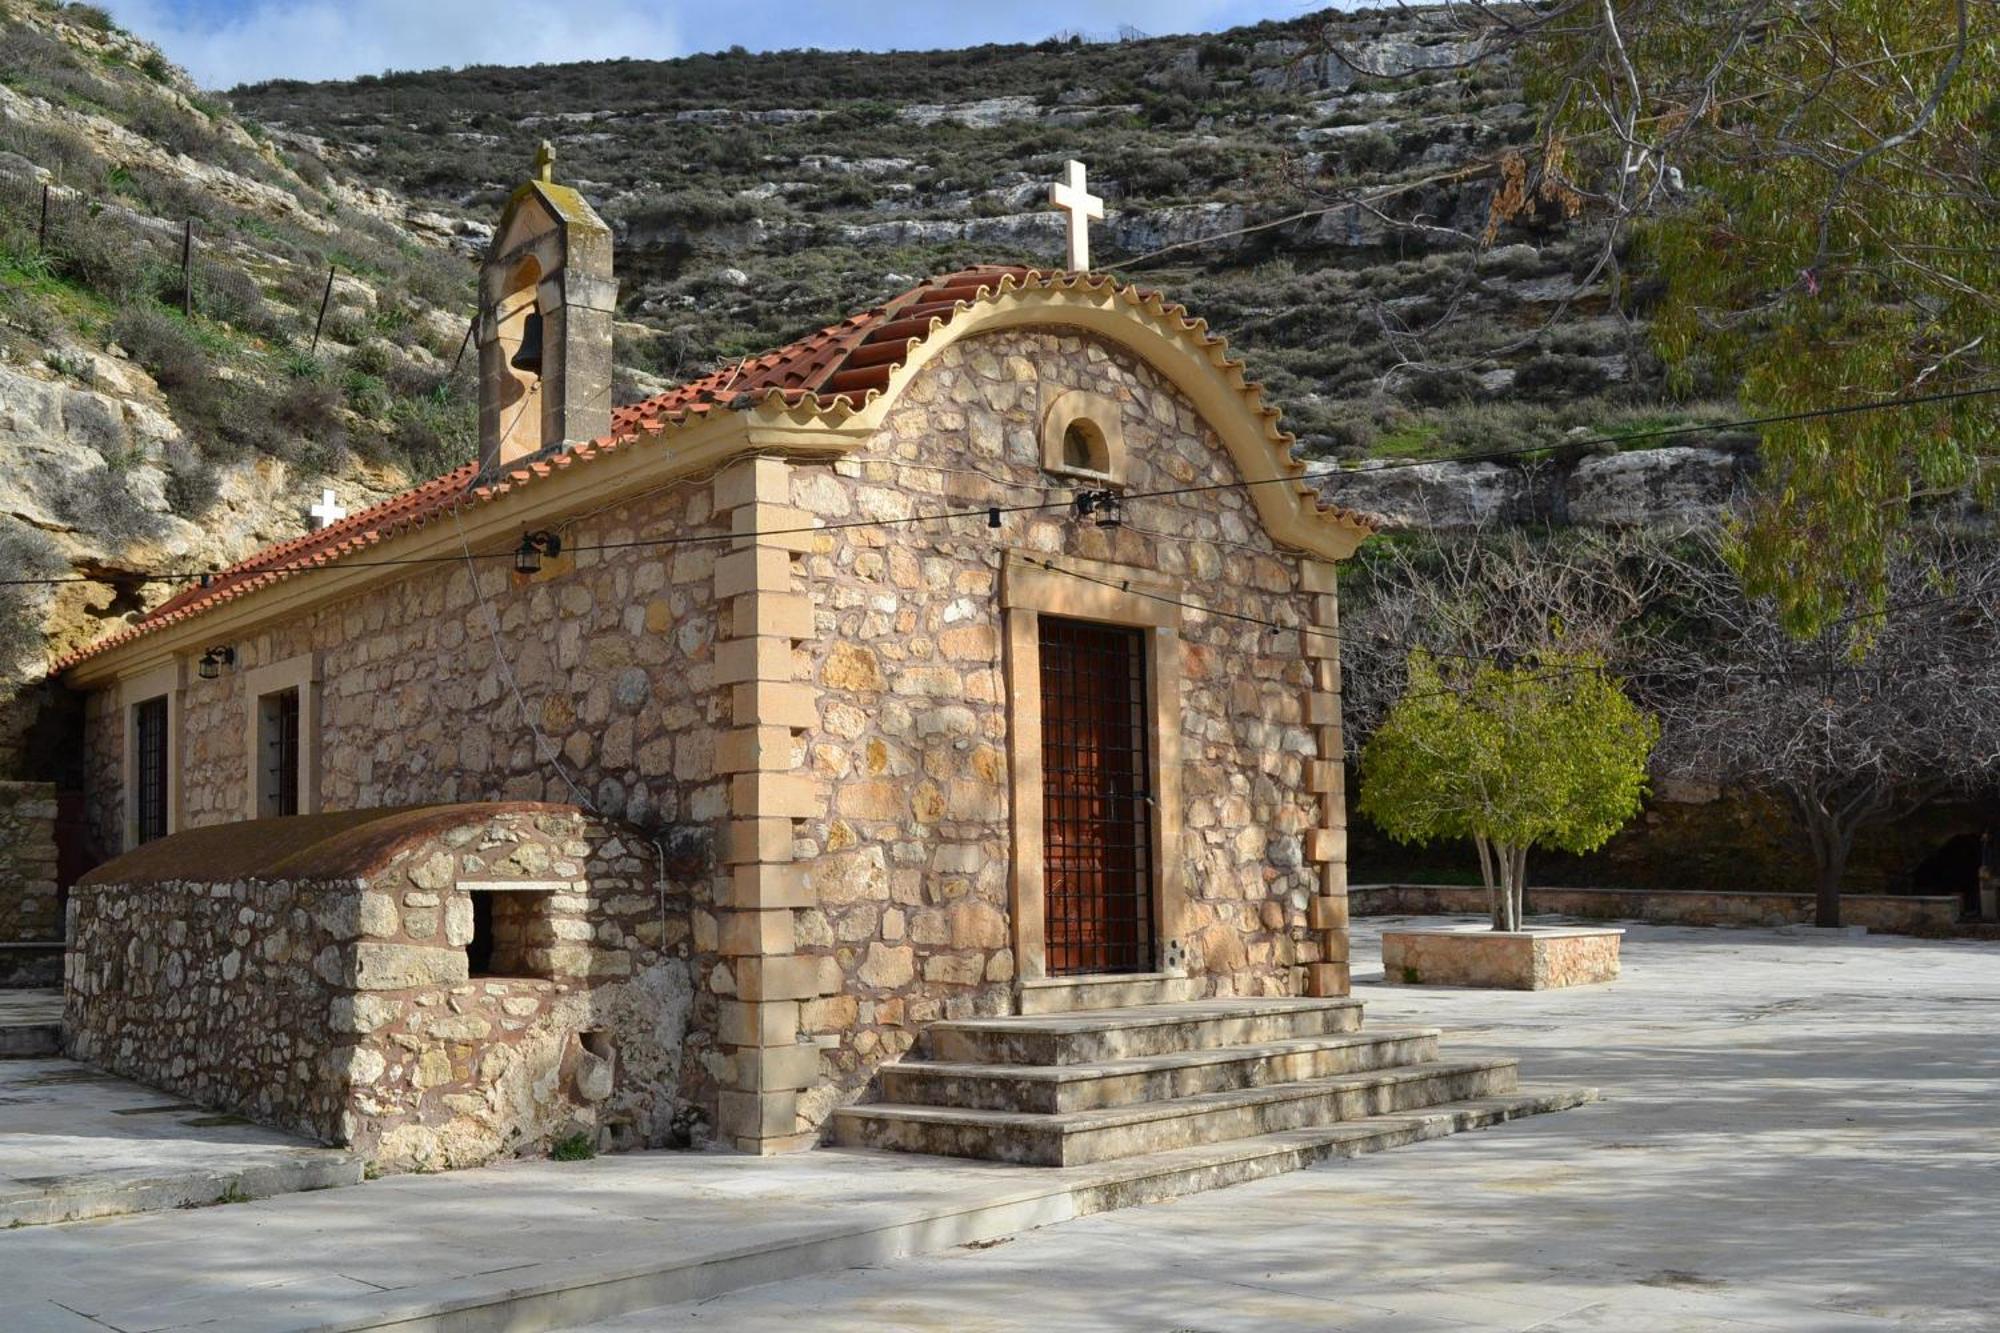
<point>1028,592</point>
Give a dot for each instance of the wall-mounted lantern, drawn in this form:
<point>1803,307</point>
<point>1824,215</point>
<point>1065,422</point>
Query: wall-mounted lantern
<point>534,545</point>
<point>211,663</point>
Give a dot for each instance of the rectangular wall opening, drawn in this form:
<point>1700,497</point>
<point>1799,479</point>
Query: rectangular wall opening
<point>149,794</point>
<point>511,934</point>
<point>278,754</point>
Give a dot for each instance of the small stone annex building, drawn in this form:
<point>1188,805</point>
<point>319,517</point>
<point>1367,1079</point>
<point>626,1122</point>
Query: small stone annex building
<point>971,657</point>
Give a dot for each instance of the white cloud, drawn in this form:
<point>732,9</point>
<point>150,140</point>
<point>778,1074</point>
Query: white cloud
<point>338,39</point>
<point>226,42</point>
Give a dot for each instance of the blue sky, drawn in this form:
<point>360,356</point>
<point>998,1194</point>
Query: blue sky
<point>225,42</point>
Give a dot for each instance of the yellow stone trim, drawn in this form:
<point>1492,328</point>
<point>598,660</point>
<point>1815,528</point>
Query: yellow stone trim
<point>773,527</point>
<point>755,749</point>
<point>1166,337</point>
<point>758,569</point>
<point>1326,844</point>
<point>773,703</point>
<point>169,681</point>
<point>1328,911</point>
<point>749,838</point>
<point>765,885</point>
<point>1178,346</point>
<point>758,658</point>
<point>759,1122</point>
<point>1326,979</point>
<point>752,933</point>
<point>1027,594</point>
<point>766,1069</point>
<point>769,1023</point>
<point>783,614</point>
<point>490,526</point>
<point>299,673</point>
<point>1106,414</point>
<point>784,977</point>
<point>753,481</point>
<point>776,795</point>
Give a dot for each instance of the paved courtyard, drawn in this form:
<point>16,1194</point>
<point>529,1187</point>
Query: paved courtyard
<point>76,1143</point>
<point>1798,1131</point>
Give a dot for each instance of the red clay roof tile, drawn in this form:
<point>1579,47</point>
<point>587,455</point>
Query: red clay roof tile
<point>846,361</point>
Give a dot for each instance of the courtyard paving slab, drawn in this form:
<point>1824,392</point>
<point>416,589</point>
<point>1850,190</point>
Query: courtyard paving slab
<point>76,1142</point>
<point>1797,1133</point>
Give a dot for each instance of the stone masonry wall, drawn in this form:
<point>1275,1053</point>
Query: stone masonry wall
<point>611,653</point>
<point>1667,907</point>
<point>911,875</point>
<point>342,1008</point>
<point>29,901</point>
<point>104,770</point>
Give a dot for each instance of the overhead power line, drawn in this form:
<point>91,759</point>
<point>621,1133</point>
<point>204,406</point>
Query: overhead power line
<point>986,511</point>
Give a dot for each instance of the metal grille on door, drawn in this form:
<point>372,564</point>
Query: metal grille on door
<point>1097,814</point>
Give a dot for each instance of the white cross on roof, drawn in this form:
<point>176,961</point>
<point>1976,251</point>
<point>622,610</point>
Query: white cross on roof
<point>1069,195</point>
<point>328,511</point>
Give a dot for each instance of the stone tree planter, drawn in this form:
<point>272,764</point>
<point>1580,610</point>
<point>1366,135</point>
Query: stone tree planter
<point>1501,959</point>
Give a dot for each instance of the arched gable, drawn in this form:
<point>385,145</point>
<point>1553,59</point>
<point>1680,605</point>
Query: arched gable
<point>1165,336</point>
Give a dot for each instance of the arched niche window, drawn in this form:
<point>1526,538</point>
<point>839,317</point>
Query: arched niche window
<point>520,317</point>
<point>1082,436</point>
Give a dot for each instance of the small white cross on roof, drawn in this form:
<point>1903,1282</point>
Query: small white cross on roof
<point>1069,195</point>
<point>328,511</point>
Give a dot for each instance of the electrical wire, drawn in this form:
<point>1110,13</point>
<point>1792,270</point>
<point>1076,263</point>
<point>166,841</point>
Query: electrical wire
<point>544,748</point>
<point>983,511</point>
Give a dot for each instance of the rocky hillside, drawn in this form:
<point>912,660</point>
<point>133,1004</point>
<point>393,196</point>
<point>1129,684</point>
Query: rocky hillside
<point>161,414</point>
<point>759,195</point>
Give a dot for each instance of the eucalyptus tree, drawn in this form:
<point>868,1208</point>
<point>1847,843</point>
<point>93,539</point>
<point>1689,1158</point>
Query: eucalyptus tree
<point>1810,188</point>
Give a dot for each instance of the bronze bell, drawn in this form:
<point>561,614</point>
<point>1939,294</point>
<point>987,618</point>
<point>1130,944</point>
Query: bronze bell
<point>529,357</point>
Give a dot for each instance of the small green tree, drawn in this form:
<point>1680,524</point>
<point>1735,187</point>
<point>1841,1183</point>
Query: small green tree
<point>1549,755</point>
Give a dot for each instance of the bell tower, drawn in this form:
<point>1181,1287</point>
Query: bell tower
<point>546,296</point>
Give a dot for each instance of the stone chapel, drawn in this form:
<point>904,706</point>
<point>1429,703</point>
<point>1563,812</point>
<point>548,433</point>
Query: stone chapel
<point>766,755</point>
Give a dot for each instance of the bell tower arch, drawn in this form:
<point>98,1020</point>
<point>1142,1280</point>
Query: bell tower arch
<point>546,300</point>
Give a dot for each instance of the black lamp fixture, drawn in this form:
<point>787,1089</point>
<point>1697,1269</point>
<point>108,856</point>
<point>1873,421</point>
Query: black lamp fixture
<point>211,663</point>
<point>534,545</point>
<point>529,356</point>
<point>1104,508</point>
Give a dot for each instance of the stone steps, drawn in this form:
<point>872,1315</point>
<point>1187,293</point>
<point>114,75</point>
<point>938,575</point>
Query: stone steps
<point>28,1041</point>
<point>1078,1137</point>
<point>1054,1089</point>
<point>1063,995</point>
<point>1170,1175</point>
<point>1089,1085</point>
<point>1118,1034</point>
<point>30,1023</point>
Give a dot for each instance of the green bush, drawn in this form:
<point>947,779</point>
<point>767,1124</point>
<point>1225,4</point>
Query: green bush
<point>578,1147</point>
<point>27,553</point>
<point>101,500</point>
<point>67,154</point>
<point>89,16</point>
<point>312,408</point>
<point>192,481</point>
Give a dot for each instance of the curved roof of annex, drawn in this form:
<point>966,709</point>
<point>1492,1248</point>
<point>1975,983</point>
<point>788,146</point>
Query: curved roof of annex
<point>329,845</point>
<point>827,377</point>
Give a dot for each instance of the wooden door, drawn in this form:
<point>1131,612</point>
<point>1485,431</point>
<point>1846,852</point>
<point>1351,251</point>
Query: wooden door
<point>1097,812</point>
